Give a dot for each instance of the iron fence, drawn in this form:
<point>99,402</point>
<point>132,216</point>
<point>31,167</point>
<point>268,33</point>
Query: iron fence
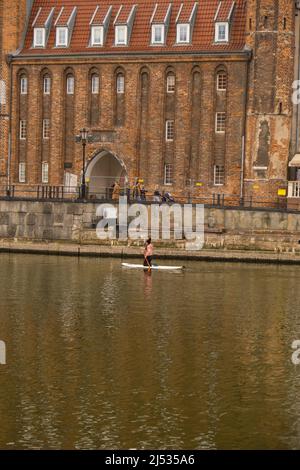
<point>105,194</point>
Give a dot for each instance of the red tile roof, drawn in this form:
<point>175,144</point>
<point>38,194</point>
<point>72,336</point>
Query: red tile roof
<point>64,15</point>
<point>185,12</point>
<point>41,17</point>
<point>224,10</point>
<point>160,12</point>
<point>99,15</point>
<point>124,13</point>
<point>202,38</point>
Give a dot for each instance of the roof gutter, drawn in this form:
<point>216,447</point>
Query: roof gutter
<point>243,53</point>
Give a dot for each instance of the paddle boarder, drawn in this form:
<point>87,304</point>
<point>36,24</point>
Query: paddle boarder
<point>148,253</point>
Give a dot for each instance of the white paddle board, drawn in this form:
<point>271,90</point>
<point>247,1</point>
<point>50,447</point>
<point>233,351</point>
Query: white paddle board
<point>160,268</point>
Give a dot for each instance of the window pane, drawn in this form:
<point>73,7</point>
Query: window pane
<point>23,129</point>
<point>24,86</point>
<point>46,128</point>
<point>121,34</point>
<point>39,34</point>
<point>222,81</point>
<point>168,174</point>
<point>70,85</point>
<point>47,85</point>
<point>2,93</point>
<point>220,122</point>
<point>171,83</point>
<point>95,84</point>
<point>22,172</point>
<point>219,175</point>
<point>61,36</point>
<point>97,35</point>
<point>120,83</point>
<point>45,172</point>
<point>183,34</point>
<point>170,131</point>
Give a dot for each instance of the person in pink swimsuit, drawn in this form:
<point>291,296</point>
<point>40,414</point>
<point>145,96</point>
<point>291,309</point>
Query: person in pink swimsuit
<point>148,253</point>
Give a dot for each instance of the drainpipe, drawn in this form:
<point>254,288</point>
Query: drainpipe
<point>244,130</point>
<point>9,61</point>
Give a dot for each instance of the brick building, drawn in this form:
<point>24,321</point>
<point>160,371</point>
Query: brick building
<point>192,96</point>
<point>12,27</point>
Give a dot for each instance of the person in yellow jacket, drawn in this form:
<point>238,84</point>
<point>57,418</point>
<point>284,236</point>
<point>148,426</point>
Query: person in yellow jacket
<point>116,191</point>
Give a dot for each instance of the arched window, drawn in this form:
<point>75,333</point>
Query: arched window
<point>120,83</point>
<point>47,85</point>
<point>171,82</point>
<point>23,85</point>
<point>70,84</point>
<point>95,84</point>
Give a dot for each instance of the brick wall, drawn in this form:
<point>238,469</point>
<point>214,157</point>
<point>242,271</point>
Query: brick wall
<point>137,118</point>
<point>13,15</point>
<point>270,34</point>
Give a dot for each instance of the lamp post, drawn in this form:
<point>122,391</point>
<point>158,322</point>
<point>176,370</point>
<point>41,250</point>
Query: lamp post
<point>83,138</point>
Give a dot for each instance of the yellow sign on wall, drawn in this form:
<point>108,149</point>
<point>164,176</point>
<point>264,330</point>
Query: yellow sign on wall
<point>199,184</point>
<point>281,192</point>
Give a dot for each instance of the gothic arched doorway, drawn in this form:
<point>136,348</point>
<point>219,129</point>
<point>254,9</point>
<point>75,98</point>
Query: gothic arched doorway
<point>102,171</point>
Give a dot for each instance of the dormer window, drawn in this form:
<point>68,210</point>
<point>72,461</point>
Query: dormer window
<point>121,35</point>
<point>61,37</point>
<point>158,34</point>
<point>159,23</point>
<point>221,32</point>
<point>183,33</point>
<point>39,37</point>
<point>64,25</point>
<point>97,36</point>
<point>41,26</point>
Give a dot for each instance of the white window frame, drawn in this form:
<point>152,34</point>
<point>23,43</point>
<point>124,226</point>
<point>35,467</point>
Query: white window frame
<point>168,174</point>
<point>36,32</point>
<point>155,27</point>
<point>23,129</point>
<point>188,33</point>
<point>95,85</point>
<point>219,175</point>
<point>223,74</point>
<point>24,85</point>
<point>47,85</point>
<point>217,124</point>
<point>46,129</point>
<point>118,28</point>
<point>170,129</point>
<point>70,88</point>
<point>94,30</point>
<point>120,84</point>
<point>22,172</point>
<point>218,26</point>
<point>45,172</point>
<point>171,86</point>
<point>60,43</point>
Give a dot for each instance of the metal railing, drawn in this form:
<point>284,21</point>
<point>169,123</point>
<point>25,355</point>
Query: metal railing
<point>294,189</point>
<point>105,194</point>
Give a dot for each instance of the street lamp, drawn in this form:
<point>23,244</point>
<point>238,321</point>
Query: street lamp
<point>83,139</point>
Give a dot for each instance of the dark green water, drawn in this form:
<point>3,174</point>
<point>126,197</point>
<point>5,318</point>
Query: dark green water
<point>104,358</point>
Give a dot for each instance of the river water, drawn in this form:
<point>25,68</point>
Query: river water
<point>100,357</point>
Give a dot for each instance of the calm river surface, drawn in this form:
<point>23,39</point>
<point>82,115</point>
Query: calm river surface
<point>100,357</point>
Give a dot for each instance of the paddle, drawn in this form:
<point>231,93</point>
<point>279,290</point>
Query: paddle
<point>149,269</point>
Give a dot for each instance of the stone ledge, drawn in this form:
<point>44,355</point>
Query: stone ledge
<point>69,249</point>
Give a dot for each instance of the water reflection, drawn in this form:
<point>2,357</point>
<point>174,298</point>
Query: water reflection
<point>100,357</point>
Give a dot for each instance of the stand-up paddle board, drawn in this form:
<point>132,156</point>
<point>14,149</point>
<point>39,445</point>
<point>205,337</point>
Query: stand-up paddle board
<point>161,268</point>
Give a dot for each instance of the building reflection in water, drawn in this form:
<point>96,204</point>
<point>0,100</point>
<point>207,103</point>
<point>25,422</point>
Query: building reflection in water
<point>102,358</point>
